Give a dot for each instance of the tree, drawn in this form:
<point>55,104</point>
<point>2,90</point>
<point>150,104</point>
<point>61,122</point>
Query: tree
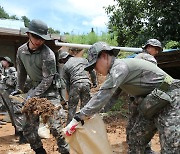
<point>3,14</point>
<point>52,31</point>
<point>26,21</point>
<point>135,21</point>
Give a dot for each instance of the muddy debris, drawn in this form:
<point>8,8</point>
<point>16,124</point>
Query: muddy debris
<point>39,106</point>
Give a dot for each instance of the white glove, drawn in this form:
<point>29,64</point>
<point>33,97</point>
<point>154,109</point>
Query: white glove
<point>71,127</point>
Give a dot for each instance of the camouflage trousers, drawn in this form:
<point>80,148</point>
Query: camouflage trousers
<point>166,122</point>
<point>15,116</point>
<point>78,92</point>
<point>55,123</point>
<point>132,119</point>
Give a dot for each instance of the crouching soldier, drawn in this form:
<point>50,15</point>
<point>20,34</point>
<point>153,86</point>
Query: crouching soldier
<point>157,94</point>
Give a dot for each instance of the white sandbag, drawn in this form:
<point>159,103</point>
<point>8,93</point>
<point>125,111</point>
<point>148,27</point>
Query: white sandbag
<point>91,138</point>
<point>44,131</point>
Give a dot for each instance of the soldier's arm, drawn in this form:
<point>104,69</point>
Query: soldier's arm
<point>109,92</point>
<point>98,101</point>
<point>93,77</point>
<point>66,77</point>
<point>21,73</point>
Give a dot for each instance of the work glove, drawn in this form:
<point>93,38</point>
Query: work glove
<point>16,92</point>
<point>71,127</point>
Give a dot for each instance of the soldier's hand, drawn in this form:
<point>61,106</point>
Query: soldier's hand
<point>71,127</point>
<point>16,92</point>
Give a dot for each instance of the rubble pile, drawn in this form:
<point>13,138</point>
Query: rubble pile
<point>39,106</point>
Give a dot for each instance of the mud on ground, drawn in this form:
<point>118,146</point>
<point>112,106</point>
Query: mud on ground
<point>115,125</point>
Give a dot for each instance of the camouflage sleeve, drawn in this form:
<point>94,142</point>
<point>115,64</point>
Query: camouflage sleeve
<point>93,77</point>
<point>11,77</point>
<point>147,57</point>
<point>21,72</point>
<point>0,67</point>
<point>98,101</point>
<point>48,72</point>
<point>66,77</point>
<point>107,92</point>
<point>0,70</point>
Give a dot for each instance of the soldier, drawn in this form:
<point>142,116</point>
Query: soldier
<point>8,84</point>
<point>151,48</point>
<point>37,60</point>
<point>7,74</point>
<point>77,81</point>
<point>157,94</point>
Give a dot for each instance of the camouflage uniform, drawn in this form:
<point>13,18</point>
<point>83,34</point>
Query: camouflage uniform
<point>133,107</point>
<point>146,56</point>
<point>139,78</point>
<point>40,65</point>
<point>8,85</point>
<point>77,83</point>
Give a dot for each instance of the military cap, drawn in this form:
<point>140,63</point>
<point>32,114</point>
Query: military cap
<point>154,43</point>
<point>8,60</point>
<point>95,50</point>
<point>39,28</point>
<point>63,55</point>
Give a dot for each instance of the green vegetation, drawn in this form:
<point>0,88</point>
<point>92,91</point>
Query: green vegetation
<point>135,21</point>
<point>91,38</point>
<point>172,45</point>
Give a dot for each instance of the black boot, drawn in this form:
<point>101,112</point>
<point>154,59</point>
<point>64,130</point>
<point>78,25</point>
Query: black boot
<point>22,139</point>
<point>40,150</point>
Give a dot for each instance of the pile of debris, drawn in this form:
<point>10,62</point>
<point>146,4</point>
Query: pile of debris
<point>39,106</point>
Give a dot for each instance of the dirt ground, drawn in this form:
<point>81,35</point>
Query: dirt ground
<point>115,129</point>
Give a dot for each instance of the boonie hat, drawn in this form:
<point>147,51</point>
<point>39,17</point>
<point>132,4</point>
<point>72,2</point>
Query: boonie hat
<point>63,55</point>
<point>154,43</point>
<point>8,60</point>
<point>95,50</point>
<point>39,28</point>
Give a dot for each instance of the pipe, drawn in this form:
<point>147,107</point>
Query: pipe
<point>130,49</point>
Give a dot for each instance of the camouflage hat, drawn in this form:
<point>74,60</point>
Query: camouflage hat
<point>39,28</point>
<point>153,42</point>
<point>8,60</point>
<point>63,55</point>
<point>95,50</point>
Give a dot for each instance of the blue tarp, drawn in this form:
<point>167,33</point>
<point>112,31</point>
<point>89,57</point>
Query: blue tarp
<point>166,50</point>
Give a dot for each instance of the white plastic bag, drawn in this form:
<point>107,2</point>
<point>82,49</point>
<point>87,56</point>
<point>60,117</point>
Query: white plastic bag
<point>43,130</point>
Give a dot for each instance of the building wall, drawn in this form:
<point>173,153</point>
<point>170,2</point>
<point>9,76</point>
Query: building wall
<point>8,50</point>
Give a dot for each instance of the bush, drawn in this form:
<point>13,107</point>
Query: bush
<point>172,45</point>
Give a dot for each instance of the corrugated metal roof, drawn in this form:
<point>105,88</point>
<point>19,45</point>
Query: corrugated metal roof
<point>10,23</point>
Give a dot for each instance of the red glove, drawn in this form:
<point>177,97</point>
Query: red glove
<point>71,127</point>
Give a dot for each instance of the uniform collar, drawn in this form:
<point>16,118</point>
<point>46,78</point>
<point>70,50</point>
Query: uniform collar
<point>112,62</point>
<point>26,49</point>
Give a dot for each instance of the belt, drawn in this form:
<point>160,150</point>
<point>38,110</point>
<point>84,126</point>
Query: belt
<point>165,85</point>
